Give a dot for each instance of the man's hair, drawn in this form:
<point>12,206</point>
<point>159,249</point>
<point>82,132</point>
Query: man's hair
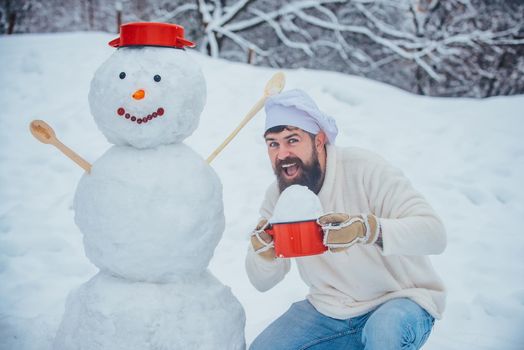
<point>280,128</point>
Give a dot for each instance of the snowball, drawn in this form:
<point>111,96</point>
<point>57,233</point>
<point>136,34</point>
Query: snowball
<point>150,214</point>
<point>197,312</point>
<point>296,203</point>
<point>181,93</point>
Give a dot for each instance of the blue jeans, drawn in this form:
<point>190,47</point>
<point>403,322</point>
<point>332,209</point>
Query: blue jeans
<point>396,324</point>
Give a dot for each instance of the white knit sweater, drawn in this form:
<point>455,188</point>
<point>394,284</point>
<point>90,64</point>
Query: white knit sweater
<point>351,283</point>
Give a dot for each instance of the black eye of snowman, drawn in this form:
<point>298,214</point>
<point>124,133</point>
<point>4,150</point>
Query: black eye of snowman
<point>122,75</point>
<point>157,78</point>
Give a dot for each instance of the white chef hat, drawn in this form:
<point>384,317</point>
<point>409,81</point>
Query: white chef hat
<point>296,108</point>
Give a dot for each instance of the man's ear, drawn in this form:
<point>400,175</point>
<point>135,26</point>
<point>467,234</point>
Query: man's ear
<point>320,140</point>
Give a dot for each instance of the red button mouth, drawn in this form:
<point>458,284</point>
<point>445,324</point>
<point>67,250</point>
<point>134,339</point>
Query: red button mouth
<point>121,112</point>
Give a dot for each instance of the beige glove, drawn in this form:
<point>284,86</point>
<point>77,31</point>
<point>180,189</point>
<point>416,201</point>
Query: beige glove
<point>262,242</point>
<point>341,231</point>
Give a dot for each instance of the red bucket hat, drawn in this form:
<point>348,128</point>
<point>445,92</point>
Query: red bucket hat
<point>151,34</point>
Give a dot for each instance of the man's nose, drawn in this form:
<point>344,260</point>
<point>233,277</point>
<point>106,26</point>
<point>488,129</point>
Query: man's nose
<point>283,153</point>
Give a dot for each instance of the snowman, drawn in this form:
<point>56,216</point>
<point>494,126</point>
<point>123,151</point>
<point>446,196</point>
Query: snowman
<point>150,209</point>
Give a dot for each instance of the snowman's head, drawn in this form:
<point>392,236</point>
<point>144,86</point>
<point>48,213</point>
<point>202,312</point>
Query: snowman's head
<point>146,96</point>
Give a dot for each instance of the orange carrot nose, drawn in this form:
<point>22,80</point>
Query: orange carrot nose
<point>139,94</point>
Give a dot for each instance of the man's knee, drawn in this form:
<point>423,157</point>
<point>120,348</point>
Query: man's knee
<point>397,324</point>
<point>378,333</point>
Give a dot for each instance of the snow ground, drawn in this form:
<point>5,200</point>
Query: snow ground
<point>466,156</point>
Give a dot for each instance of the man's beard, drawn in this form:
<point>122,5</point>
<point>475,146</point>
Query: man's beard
<point>310,176</point>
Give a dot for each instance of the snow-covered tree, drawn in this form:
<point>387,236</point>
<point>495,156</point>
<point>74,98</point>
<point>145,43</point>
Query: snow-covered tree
<point>436,47</point>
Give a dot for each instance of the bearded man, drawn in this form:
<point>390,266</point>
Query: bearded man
<point>375,287</point>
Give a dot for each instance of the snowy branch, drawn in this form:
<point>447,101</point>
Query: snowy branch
<point>432,42</point>
<point>167,16</point>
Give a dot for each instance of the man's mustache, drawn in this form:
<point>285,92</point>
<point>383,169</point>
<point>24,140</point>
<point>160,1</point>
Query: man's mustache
<point>288,160</point>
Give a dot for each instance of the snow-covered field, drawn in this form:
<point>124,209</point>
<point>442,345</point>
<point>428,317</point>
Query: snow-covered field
<point>466,156</point>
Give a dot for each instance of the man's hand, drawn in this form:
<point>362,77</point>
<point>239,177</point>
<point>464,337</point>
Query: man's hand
<point>262,242</point>
<point>341,231</point>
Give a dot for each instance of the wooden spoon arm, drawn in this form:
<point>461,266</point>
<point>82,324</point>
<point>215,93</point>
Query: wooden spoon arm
<point>252,112</point>
<point>73,155</point>
<point>273,86</point>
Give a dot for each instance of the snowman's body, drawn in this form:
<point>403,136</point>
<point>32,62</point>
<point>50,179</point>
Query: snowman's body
<point>151,213</point>
<point>195,312</point>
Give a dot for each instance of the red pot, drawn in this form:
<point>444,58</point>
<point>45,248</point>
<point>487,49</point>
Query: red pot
<point>293,239</point>
<point>151,34</point>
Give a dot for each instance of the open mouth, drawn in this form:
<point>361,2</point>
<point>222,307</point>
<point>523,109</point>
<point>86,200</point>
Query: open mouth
<point>290,170</point>
<point>121,112</point>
